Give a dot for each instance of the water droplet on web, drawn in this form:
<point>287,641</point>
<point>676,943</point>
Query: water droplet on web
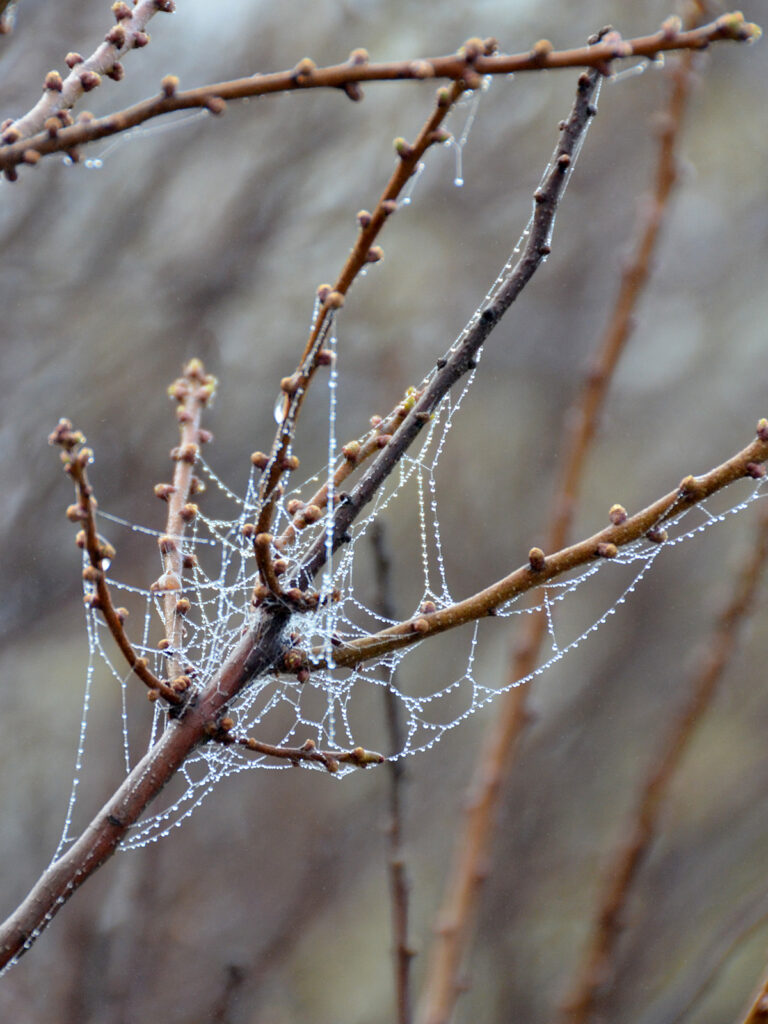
<point>406,201</point>
<point>280,409</point>
<point>458,181</point>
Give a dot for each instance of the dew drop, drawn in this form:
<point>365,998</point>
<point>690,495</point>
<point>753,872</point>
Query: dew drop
<point>458,182</point>
<point>280,408</point>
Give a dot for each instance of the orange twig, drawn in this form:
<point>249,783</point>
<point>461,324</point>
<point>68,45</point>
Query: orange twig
<point>363,252</point>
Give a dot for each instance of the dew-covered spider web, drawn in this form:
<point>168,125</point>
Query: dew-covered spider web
<point>337,708</point>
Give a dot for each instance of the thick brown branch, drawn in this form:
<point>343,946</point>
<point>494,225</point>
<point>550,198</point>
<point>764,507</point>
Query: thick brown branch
<point>348,75</point>
<point>256,653</point>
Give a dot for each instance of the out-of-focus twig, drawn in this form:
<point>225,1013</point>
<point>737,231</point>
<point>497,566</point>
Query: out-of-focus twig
<point>398,873</point>
<point>594,976</point>
<point>7,16</point>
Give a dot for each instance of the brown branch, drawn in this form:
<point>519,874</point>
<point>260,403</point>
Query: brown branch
<point>348,77</point>
<point>332,297</point>
<point>75,458</point>
<point>596,972</point>
<point>329,759</point>
<point>256,653</point>
<point>543,568</point>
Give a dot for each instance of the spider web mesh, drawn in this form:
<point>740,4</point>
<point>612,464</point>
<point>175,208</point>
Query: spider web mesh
<point>333,707</point>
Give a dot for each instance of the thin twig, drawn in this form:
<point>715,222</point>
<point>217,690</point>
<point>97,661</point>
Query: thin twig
<point>332,297</point>
<point>347,77</point>
<point>75,458</point>
<point>60,95</point>
<point>399,883</point>
<point>193,391</point>
<point>595,975</point>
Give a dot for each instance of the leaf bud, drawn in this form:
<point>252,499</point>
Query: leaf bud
<point>53,81</point>
<point>537,560</point>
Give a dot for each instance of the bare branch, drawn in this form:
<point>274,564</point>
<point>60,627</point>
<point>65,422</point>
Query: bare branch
<point>543,568</point>
<point>61,95</point>
<point>468,66</point>
<point>75,458</point>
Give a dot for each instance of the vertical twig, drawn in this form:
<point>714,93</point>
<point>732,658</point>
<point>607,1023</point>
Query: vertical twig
<point>192,391</point>
<point>456,919</point>
<point>596,971</point>
<point>398,873</point>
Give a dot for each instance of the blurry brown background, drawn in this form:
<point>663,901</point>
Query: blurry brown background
<point>209,240</point>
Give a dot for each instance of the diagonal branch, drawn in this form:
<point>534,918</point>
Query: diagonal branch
<point>61,95</point>
<point>460,358</point>
<point>541,568</point>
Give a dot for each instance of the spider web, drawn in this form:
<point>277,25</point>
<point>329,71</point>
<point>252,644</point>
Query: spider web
<point>337,708</point>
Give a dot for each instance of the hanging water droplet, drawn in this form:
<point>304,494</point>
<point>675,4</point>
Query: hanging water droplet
<point>458,182</point>
<point>105,563</point>
<point>405,201</point>
<point>281,408</point>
